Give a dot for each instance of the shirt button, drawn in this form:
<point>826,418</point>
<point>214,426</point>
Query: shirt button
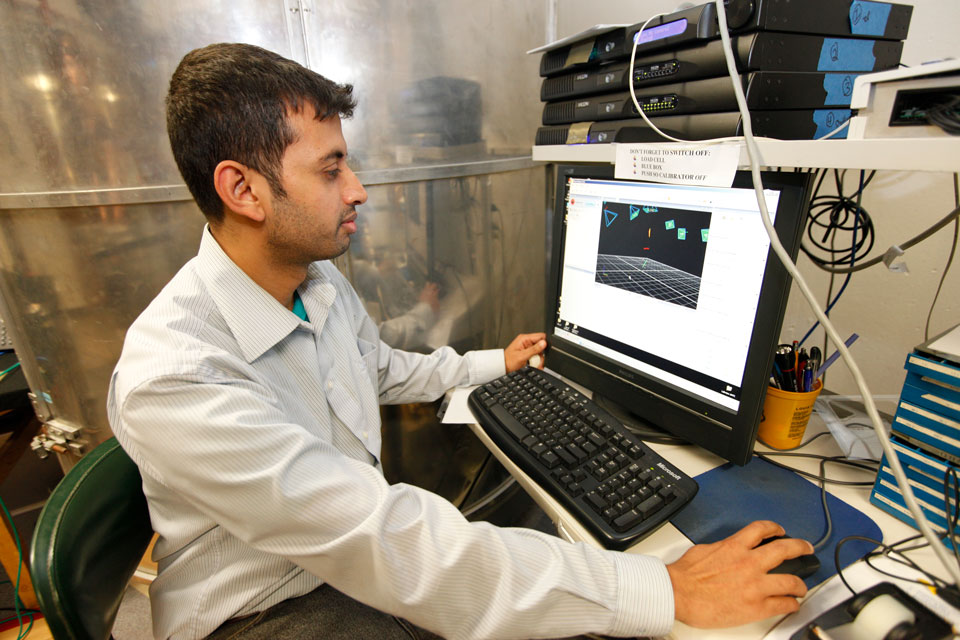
<point>366,435</point>
<point>330,385</point>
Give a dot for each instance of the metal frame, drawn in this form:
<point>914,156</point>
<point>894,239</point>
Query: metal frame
<point>179,192</point>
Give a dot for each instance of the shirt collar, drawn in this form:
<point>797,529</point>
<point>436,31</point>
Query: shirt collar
<point>256,319</point>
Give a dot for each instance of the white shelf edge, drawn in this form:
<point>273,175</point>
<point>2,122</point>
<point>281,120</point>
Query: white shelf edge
<point>895,154</point>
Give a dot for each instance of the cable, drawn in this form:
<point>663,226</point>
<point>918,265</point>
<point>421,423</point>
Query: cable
<point>870,406</point>
<point>893,548</point>
<point>838,459</point>
<point>953,250</point>
<point>3,374</point>
<point>636,103</point>
<point>858,212</point>
<point>887,549</point>
<point>842,213</point>
<point>920,237</point>
<point>799,446</point>
<point>16,587</point>
<point>946,115</point>
<point>950,477</point>
<point>823,480</point>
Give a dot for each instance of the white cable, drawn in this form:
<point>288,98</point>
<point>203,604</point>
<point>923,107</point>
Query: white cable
<point>845,124</point>
<point>636,103</point>
<point>754,154</point>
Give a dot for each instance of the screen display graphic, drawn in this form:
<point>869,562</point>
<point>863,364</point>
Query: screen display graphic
<point>653,251</point>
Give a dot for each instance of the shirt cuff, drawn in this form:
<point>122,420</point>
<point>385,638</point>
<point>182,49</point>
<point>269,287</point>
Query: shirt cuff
<point>645,604</point>
<point>485,365</point>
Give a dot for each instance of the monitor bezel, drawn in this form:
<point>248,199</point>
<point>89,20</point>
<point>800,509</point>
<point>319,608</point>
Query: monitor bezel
<point>728,434</point>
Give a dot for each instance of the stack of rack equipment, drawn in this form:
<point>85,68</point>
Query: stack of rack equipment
<point>797,63</point>
<point>925,434</point>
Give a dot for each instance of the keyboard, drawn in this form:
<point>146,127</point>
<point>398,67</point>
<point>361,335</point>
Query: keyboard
<point>618,488</point>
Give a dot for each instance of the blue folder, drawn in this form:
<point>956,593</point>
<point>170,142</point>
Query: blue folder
<point>731,497</point>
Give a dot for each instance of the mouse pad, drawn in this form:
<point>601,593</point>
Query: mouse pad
<point>732,497</point>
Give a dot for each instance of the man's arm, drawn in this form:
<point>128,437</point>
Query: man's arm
<point>230,451</point>
<point>415,377</point>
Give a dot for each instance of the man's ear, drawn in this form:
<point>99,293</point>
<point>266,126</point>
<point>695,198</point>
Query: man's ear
<point>241,189</point>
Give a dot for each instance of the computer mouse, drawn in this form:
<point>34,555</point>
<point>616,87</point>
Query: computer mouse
<point>801,566</point>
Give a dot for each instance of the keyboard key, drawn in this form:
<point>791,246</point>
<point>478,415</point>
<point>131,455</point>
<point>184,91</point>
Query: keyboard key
<point>650,505</point>
<point>628,519</point>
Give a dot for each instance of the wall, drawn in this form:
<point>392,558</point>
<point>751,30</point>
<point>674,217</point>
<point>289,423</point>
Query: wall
<point>94,218</point>
<point>888,310</point>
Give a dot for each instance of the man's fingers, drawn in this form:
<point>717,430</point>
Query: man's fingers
<point>526,340</point>
<point>535,348</point>
<point>777,551</point>
<point>756,532</point>
<point>780,606</point>
<point>784,584</point>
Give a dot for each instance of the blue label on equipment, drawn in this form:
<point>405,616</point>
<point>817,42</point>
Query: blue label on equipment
<point>829,119</point>
<point>868,18</point>
<point>838,86</point>
<point>846,54</point>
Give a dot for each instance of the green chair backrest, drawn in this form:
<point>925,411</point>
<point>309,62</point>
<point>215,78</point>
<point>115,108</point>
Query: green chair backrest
<point>88,542</point>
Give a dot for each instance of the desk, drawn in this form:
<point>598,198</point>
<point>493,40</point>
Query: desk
<point>669,544</point>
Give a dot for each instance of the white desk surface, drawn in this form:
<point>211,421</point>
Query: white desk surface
<point>669,544</point>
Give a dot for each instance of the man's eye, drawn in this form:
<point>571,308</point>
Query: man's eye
<point>333,174</point>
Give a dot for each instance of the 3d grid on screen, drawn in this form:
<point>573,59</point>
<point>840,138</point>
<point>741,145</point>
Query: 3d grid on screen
<point>649,277</point>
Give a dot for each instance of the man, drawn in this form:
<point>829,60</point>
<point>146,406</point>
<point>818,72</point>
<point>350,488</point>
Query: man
<point>247,393</point>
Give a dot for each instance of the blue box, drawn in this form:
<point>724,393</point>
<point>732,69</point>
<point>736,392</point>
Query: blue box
<point>926,475</point>
<point>924,427</point>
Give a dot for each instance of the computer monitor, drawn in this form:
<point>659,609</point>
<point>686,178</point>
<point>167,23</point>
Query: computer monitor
<point>667,299</point>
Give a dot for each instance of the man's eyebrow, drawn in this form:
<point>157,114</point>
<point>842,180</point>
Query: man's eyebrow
<point>337,154</point>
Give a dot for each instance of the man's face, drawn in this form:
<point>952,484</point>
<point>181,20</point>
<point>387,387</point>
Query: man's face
<point>317,217</point>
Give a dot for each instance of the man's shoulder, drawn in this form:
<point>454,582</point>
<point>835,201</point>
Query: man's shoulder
<point>178,331</point>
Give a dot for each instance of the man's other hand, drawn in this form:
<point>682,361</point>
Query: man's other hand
<point>726,584</point>
<point>523,347</point>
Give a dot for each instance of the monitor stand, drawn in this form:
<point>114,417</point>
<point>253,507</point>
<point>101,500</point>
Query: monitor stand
<point>644,429</point>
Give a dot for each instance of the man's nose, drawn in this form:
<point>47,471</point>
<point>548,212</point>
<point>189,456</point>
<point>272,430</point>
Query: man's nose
<point>353,192</point>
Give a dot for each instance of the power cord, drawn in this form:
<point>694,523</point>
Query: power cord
<point>946,115</point>
<point>753,153</point>
<point>837,214</point>
<point>20,612</point>
<point>948,592</point>
<point>953,250</point>
<point>636,103</point>
<point>871,409</point>
<point>824,480</point>
<point>839,208</point>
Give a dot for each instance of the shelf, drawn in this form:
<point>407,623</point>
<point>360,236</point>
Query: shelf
<point>896,154</point>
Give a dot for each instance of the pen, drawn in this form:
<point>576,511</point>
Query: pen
<point>801,365</point>
<point>777,376</point>
<point>836,354</point>
<point>808,370</point>
<point>786,361</point>
<point>816,356</point>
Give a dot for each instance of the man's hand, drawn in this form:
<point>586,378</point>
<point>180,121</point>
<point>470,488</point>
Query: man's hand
<point>726,584</point>
<point>522,348</point>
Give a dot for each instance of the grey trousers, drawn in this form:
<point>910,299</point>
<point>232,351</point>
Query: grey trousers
<point>322,613</point>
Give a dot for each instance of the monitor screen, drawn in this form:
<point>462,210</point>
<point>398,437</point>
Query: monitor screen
<point>667,299</point>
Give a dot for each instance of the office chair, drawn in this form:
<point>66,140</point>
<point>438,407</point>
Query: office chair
<point>89,539</point>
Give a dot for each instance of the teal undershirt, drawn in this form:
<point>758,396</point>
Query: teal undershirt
<point>298,309</point>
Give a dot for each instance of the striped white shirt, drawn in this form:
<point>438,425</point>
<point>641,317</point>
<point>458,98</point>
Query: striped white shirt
<point>258,439</point>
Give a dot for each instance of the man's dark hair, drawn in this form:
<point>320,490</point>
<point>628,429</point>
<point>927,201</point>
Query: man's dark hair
<point>230,102</point>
